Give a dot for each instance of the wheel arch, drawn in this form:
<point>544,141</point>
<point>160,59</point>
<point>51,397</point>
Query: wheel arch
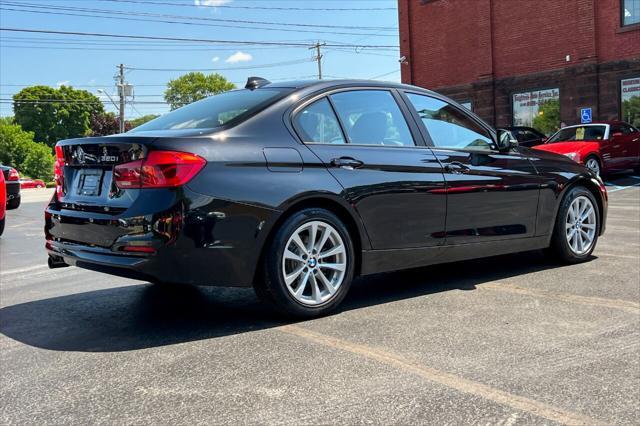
<point>349,217</point>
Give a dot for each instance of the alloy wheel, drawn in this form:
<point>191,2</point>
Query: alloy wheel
<point>314,263</point>
<point>580,225</point>
<point>593,165</point>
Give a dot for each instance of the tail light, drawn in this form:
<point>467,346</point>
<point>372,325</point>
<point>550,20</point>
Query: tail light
<point>58,171</point>
<point>160,169</point>
<point>13,175</point>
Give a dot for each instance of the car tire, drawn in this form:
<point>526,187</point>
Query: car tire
<point>39,186</point>
<point>301,283</point>
<point>596,165</point>
<point>13,203</point>
<point>575,236</point>
<point>2,225</point>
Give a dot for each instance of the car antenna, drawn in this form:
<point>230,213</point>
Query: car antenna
<point>256,82</point>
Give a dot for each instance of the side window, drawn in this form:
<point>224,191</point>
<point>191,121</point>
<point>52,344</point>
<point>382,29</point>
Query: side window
<point>448,126</point>
<point>372,117</point>
<point>318,123</point>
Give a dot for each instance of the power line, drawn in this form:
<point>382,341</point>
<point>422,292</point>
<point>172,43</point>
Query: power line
<point>247,67</point>
<point>165,3</point>
<point>123,18</point>
<point>384,75</point>
<point>239,42</point>
<point>195,18</point>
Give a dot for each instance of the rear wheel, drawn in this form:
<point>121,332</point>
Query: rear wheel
<point>592,163</point>
<point>577,226</point>
<point>2,225</point>
<point>309,264</point>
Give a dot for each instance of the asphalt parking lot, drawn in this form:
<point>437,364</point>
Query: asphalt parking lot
<point>508,340</point>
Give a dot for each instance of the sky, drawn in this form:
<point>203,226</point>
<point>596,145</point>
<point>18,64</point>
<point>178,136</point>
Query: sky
<point>367,27</point>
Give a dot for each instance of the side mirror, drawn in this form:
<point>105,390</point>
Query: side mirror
<point>506,141</point>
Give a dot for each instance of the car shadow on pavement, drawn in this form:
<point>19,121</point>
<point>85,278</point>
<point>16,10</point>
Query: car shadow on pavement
<point>145,316</point>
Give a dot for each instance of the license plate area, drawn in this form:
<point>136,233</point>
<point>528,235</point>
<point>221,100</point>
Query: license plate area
<point>90,182</point>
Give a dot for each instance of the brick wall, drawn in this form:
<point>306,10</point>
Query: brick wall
<point>485,50</point>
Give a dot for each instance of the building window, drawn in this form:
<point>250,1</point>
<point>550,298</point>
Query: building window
<point>539,109</point>
<point>630,100</point>
<point>630,12</point>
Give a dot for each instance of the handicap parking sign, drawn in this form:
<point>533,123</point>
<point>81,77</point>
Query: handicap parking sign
<point>585,115</point>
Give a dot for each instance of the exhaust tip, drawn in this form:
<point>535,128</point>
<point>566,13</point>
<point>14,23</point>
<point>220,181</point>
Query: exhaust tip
<point>56,262</point>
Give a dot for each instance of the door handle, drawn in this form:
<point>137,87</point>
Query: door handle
<point>456,167</point>
<point>346,163</point>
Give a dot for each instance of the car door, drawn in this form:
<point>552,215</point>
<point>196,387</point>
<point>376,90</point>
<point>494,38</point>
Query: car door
<point>612,148</point>
<point>365,141</point>
<point>491,195</point>
<point>631,141</point>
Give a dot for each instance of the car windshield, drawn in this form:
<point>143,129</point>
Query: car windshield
<point>215,111</point>
<point>579,133</point>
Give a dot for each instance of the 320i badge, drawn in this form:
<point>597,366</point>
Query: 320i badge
<point>296,188</point>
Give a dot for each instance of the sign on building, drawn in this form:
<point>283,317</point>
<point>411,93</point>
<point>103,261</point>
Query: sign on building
<point>530,108</point>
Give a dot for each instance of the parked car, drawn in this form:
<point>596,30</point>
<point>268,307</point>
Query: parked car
<point>26,183</point>
<point>526,136</point>
<point>12,186</point>
<point>605,147</point>
<point>3,203</point>
<point>295,188</point>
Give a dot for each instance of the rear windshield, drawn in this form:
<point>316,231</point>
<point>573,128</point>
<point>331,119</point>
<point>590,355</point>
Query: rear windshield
<point>215,111</point>
<point>580,133</point>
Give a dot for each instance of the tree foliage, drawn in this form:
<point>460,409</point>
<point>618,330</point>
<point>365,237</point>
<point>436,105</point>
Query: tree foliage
<point>19,150</point>
<point>548,119</point>
<point>141,120</point>
<point>194,86</point>
<point>631,110</point>
<point>105,124</point>
<point>55,114</point>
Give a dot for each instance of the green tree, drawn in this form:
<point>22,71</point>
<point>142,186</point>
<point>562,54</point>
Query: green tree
<point>631,110</point>
<point>19,150</point>
<point>55,114</point>
<point>194,86</point>
<point>548,119</point>
<point>141,120</point>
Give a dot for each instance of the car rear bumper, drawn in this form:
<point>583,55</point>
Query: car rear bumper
<point>196,240</point>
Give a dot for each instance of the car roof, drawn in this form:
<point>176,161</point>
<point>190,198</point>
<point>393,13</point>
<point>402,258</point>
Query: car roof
<point>328,84</point>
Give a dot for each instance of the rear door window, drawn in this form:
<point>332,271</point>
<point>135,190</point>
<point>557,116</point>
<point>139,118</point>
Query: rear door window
<point>372,117</point>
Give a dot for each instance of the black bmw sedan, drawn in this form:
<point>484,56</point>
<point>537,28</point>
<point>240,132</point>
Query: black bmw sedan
<point>296,188</point>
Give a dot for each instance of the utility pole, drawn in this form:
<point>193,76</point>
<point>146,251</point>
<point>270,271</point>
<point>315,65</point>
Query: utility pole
<point>318,57</point>
<point>122,94</point>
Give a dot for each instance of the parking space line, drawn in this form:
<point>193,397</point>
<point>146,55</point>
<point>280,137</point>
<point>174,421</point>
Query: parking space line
<point>453,381</point>
<point>625,305</point>
<point>23,270</point>
<point>621,256</point>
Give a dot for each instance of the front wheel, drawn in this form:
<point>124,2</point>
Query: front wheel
<point>309,265</point>
<point>577,226</point>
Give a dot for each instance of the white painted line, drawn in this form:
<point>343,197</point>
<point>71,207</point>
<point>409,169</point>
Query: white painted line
<point>23,270</point>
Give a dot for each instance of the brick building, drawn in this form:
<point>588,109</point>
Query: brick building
<point>506,58</point>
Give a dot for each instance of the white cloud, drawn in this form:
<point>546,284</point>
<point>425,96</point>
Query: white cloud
<point>210,3</point>
<point>63,83</point>
<point>215,59</point>
<point>239,57</point>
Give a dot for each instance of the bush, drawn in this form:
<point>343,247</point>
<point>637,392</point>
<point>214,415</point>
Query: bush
<point>19,150</point>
